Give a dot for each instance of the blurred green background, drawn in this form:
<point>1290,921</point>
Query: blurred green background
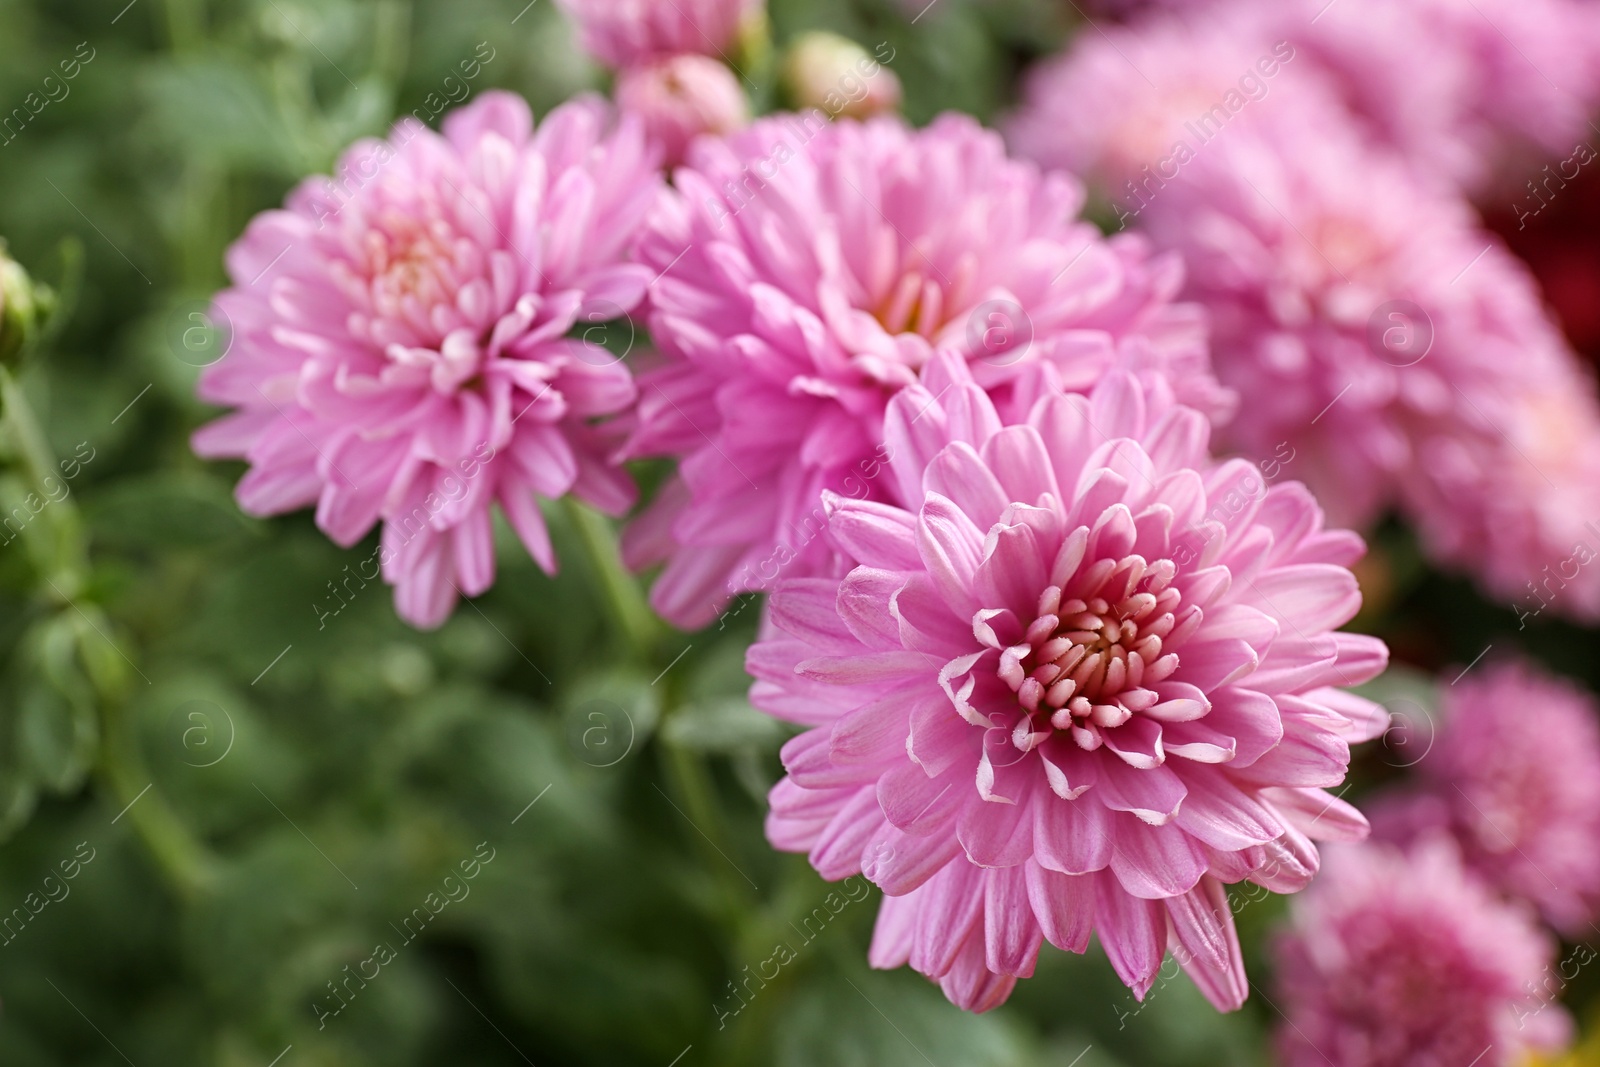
<point>270,774</point>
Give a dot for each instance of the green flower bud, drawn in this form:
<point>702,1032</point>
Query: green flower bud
<point>838,76</point>
<point>25,306</point>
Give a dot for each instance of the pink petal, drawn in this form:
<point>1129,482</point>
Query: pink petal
<point>1224,816</point>
<point>1153,795</point>
<point>926,622</point>
<point>1011,933</point>
<point>1137,742</point>
<point>1072,836</point>
<point>893,932</point>
<point>898,862</point>
<point>1202,924</point>
<point>959,474</point>
<point>806,608</point>
<point>522,511</point>
<point>1318,814</point>
<point>1133,933</point>
<point>1305,756</point>
<point>473,549</point>
<point>877,733</point>
<point>864,600</point>
<point>1063,905</point>
<point>878,535</point>
<point>937,738</point>
<point>870,668</point>
<point>837,853</point>
<point>805,757</point>
<point>423,594</point>
<point>1251,718</point>
<point>1312,597</point>
<point>950,909</point>
<point>1208,664</point>
<point>1289,865</point>
<point>969,983</point>
<point>951,548</point>
<point>918,804</point>
<point>995,834</point>
<point>1153,862</point>
<point>1012,575</point>
<point>1018,457</point>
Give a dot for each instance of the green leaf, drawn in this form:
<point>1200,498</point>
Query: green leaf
<point>724,726</point>
<point>899,1019</point>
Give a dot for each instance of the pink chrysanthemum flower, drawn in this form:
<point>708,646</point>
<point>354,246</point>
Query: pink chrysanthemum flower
<point>808,270</point>
<point>1528,824</point>
<point>1406,961</point>
<point>625,33</point>
<point>1082,681</point>
<point>1401,352</point>
<point>681,97</point>
<point>1470,88</point>
<point>1128,107</point>
<point>400,352</point>
<point>1462,89</point>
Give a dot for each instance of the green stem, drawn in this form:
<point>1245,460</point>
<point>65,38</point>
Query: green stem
<point>688,778</point>
<point>54,542</point>
<point>184,862</point>
<point>692,784</point>
<point>26,436</point>
<point>625,602</point>
<point>185,25</point>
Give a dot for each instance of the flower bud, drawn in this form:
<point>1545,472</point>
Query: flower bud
<point>25,305</point>
<point>627,33</point>
<point>838,76</point>
<point>681,97</point>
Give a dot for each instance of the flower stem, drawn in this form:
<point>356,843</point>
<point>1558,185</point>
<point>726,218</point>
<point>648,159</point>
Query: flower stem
<point>63,555</point>
<point>181,858</point>
<point>183,861</point>
<point>690,780</point>
<point>625,602</point>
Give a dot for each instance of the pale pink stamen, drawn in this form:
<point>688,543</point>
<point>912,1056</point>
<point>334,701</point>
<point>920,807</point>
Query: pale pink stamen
<point>1087,657</point>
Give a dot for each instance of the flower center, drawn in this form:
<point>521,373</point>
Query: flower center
<point>411,264</point>
<point>914,305</point>
<point>927,287</point>
<point>1093,651</point>
<point>1350,245</point>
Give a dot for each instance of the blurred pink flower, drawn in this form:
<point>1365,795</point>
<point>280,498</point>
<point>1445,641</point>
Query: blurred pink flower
<point>1477,91</point>
<point>681,97</point>
<point>625,33</point>
<point>400,350</point>
<point>1081,681</point>
<point>1402,352</point>
<point>1514,773</point>
<point>1406,961</point>
<point>807,270</point>
<point>1127,107</point>
<point>1471,92</point>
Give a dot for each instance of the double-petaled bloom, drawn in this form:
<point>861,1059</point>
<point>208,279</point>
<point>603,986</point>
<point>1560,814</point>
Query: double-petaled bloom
<point>627,33</point>
<point>1405,960</point>
<point>809,270</point>
<point>1527,824</point>
<point>1402,352</point>
<point>1484,93</point>
<point>400,349</point>
<point>680,98</point>
<point>1481,94</point>
<point>1357,307</point>
<point>1076,678</point>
